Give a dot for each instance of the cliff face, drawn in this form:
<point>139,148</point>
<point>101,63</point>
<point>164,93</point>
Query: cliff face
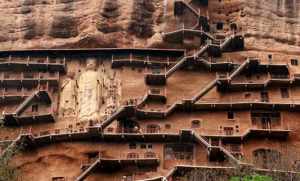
<point>76,23</point>
<point>272,25</point>
<point>268,25</point>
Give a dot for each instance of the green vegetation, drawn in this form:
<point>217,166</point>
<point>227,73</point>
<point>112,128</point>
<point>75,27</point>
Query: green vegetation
<point>252,178</point>
<point>8,173</point>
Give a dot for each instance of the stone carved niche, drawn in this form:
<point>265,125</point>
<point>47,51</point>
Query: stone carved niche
<point>91,95</point>
<point>68,96</point>
<point>89,92</point>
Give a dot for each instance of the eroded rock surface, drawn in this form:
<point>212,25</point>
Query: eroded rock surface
<point>102,23</point>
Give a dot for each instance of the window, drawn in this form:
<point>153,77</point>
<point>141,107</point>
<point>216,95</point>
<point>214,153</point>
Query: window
<point>228,130</point>
<point>132,146</point>
<point>195,123</point>
<point>294,62</point>
<point>143,146</point>
<point>233,27</point>
<point>35,108</point>
<point>230,115</point>
<point>264,96</point>
<point>270,56</point>
<point>167,126</point>
<point>237,128</point>
<point>153,128</point>
<point>219,26</point>
<point>58,179</point>
<point>132,155</point>
<point>149,146</point>
<point>266,120</point>
<point>284,92</point>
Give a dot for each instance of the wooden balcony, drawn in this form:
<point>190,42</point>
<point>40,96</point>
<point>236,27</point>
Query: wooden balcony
<point>109,164</point>
<point>28,79</point>
<point>155,79</point>
<point>89,134</point>
<point>156,94</point>
<point>233,43</point>
<point>183,33</point>
<point>13,95</point>
<point>114,164</point>
<point>243,104</point>
<point>275,133</point>
<point>29,63</point>
<point>134,60</point>
<point>280,132</point>
<point>14,120</point>
<point>20,116</point>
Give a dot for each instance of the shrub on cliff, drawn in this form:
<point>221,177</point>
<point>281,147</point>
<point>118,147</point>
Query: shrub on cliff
<point>252,178</point>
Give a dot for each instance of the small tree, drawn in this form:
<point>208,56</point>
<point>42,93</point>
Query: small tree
<point>252,178</point>
<point>8,173</point>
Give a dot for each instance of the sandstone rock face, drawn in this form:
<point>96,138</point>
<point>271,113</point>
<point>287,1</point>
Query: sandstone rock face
<point>76,23</point>
<point>272,24</point>
<point>114,23</point>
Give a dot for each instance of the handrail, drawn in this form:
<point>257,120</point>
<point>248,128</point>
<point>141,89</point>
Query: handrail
<point>196,55</point>
<point>209,146</point>
<point>86,172</point>
<point>184,30</point>
<point>189,7</point>
<point>111,118</point>
<point>205,90</point>
<point>213,83</point>
<point>24,104</point>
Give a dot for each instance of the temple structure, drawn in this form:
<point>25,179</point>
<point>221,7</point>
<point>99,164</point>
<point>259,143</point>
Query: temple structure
<point>152,114</point>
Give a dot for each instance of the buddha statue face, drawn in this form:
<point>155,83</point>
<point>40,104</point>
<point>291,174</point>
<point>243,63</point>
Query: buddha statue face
<point>91,63</point>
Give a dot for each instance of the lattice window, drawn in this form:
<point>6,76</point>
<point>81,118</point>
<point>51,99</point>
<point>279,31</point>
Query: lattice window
<point>132,155</point>
<point>153,128</point>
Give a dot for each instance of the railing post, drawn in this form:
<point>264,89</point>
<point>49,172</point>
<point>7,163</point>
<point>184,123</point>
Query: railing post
<point>148,59</point>
<point>168,60</point>
<point>130,57</point>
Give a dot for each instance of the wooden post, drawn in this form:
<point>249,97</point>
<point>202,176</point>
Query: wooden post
<point>130,57</point>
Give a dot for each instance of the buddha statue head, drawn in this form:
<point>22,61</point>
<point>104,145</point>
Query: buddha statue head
<point>91,63</point>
